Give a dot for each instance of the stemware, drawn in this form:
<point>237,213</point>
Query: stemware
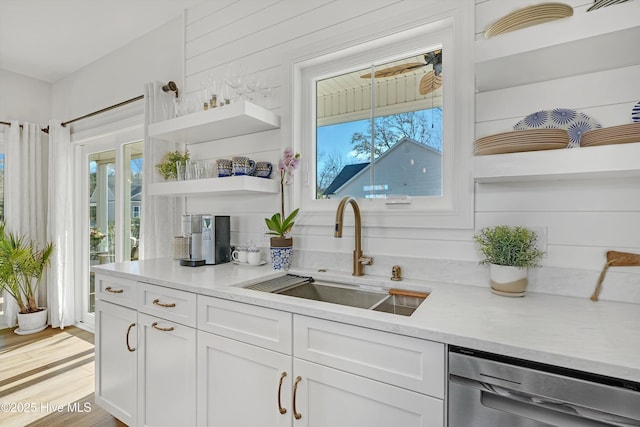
<point>235,77</point>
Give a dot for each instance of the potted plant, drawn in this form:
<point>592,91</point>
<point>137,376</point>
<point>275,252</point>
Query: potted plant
<point>167,168</point>
<point>21,267</point>
<point>280,225</point>
<point>510,252</point>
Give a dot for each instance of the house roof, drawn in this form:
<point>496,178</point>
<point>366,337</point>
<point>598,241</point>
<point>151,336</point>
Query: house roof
<point>344,176</point>
<point>341,180</point>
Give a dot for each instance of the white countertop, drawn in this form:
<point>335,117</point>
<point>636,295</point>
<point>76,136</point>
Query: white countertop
<point>600,337</point>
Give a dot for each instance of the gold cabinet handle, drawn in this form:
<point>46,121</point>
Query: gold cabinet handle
<point>127,337</point>
<point>296,415</point>
<point>113,291</point>
<point>154,325</point>
<point>282,410</point>
<point>162,304</point>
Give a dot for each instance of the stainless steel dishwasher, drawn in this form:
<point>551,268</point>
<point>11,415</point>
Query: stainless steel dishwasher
<point>490,390</point>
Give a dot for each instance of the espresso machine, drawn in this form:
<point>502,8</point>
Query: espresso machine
<point>208,238</point>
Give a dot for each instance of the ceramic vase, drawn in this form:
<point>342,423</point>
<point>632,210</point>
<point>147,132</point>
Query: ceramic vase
<point>508,281</point>
<point>281,252</point>
<point>30,323</point>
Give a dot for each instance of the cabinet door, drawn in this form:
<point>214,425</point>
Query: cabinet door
<point>167,377</point>
<point>326,397</point>
<point>242,385</point>
<point>116,353</point>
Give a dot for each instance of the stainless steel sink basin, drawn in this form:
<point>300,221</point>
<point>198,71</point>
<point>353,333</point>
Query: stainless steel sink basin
<point>403,305</point>
<point>395,301</point>
<point>352,297</point>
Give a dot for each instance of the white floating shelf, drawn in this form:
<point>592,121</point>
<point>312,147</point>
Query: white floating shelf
<point>237,118</point>
<point>224,185</point>
<point>584,43</point>
<point>604,161</point>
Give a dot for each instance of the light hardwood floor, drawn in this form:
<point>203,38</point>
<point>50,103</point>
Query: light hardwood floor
<point>47,379</point>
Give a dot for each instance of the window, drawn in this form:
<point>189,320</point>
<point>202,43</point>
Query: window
<point>366,132</point>
<point>379,130</point>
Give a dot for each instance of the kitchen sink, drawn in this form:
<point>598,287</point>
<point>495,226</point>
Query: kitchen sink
<point>395,301</point>
<point>335,294</point>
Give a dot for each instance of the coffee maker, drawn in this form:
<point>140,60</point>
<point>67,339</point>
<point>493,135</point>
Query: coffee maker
<point>216,239</point>
<point>208,239</point>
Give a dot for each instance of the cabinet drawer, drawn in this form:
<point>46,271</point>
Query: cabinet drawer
<point>170,304</point>
<point>259,326</point>
<point>407,362</point>
<point>116,290</point>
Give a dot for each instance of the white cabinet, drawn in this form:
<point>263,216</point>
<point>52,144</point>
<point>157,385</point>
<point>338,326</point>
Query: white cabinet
<point>116,352</point>
<point>244,365</point>
<point>331,398</point>
<point>336,375</point>
<point>348,375</point>
<point>242,385</point>
<point>166,373</point>
<point>145,352</point>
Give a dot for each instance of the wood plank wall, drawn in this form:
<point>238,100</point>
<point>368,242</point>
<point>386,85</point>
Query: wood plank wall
<point>582,219</point>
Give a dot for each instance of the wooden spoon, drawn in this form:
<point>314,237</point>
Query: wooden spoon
<point>615,259</point>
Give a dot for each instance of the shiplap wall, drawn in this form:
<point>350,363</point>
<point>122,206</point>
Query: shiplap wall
<point>582,218</point>
<point>579,219</point>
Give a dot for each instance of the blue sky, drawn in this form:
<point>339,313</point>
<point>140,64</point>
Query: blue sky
<point>337,139</point>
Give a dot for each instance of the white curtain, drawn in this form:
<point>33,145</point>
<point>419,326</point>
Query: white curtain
<point>61,222</point>
<point>160,215</point>
<point>25,192</point>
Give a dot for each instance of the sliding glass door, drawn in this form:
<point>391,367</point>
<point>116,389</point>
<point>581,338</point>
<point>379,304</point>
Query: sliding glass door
<point>113,207</point>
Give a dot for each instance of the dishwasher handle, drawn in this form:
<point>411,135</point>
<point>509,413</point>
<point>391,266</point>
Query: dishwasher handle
<point>543,410</point>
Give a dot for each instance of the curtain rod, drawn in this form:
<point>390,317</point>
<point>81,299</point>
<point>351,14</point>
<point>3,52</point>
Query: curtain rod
<point>169,87</point>
<point>104,110</point>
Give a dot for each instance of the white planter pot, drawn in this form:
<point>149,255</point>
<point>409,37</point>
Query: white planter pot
<point>508,281</point>
<point>30,323</point>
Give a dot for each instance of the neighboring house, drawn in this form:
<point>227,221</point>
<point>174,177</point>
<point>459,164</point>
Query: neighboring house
<point>136,203</point>
<point>407,168</point>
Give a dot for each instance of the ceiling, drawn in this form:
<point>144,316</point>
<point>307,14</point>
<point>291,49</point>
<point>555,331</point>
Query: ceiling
<point>49,39</point>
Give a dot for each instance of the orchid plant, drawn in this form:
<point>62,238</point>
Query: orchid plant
<point>278,224</point>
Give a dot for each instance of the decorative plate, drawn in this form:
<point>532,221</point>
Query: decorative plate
<point>529,16</point>
<point>635,113</point>
<point>575,123</point>
<point>597,4</point>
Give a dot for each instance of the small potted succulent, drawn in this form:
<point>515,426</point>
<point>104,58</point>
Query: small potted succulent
<point>510,252</point>
<point>280,225</point>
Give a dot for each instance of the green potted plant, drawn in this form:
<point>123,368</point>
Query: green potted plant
<point>21,267</point>
<point>510,252</point>
<point>167,168</point>
<point>280,225</point>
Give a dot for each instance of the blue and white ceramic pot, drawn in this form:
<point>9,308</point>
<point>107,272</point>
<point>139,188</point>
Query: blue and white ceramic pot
<point>281,253</point>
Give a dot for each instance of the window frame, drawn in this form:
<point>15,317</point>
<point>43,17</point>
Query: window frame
<point>454,208</point>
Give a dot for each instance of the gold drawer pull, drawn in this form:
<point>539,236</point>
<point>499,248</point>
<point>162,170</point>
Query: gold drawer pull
<point>162,304</point>
<point>155,326</point>
<point>113,291</point>
<point>282,410</point>
<point>127,338</point>
<point>296,415</point>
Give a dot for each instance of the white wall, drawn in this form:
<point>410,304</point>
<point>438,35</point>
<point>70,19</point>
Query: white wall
<point>579,220</point>
<point>24,98</point>
<point>121,75</point>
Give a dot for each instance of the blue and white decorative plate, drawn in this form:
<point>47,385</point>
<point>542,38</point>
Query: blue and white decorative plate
<point>575,123</point>
<point>635,113</point>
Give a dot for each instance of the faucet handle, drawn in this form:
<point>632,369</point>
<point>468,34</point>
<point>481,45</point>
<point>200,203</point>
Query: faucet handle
<point>365,260</point>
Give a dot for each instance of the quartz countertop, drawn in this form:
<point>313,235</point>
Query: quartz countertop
<point>600,337</point>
